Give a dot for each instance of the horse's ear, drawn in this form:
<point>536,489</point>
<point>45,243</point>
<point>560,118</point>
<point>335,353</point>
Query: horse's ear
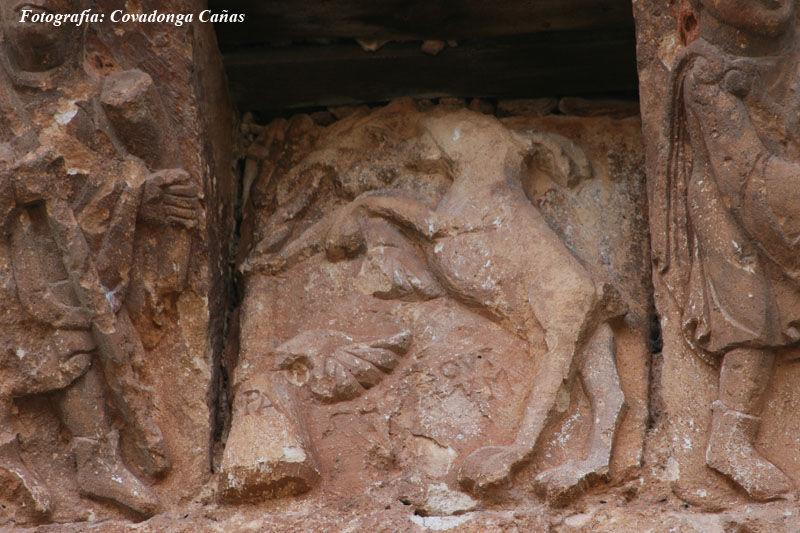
<point>552,158</point>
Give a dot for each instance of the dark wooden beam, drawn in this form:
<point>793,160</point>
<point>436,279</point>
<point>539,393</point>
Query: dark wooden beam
<point>285,20</point>
<point>269,79</point>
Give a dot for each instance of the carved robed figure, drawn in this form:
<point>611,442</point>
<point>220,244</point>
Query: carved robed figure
<point>731,254</point>
<point>75,184</point>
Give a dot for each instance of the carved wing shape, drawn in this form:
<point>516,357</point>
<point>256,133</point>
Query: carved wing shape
<point>334,366</point>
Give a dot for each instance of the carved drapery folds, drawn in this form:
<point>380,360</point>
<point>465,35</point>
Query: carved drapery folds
<point>723,158</point>
<point>105,277</point>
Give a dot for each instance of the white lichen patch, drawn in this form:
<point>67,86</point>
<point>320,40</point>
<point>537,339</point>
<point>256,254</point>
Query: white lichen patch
<point>440,523</point>
<point>64,117</point>
<point>442,501</point>
<point>293,454</point>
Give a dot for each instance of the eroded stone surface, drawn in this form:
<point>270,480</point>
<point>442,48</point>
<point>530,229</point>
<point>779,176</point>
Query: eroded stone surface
<point>433,300</point>
<point>443,323</point>
<point>107,268</point>
<point>718,87</point>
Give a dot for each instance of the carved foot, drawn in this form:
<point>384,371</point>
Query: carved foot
<point>102,475</point>
<point>563,483</point>
<point>489,467</point>
<point>11,462</point>
<point>730,451</point>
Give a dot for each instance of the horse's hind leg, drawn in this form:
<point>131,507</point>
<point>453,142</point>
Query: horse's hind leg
<point>563,303</point>
<point>601,382</point>
<point>598,373</point>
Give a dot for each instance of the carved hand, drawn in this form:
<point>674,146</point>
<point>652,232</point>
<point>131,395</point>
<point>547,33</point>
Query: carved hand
<point>170,197</point>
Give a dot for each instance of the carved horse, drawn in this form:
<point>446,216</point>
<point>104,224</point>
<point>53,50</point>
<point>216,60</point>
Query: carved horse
<point>488,247</point>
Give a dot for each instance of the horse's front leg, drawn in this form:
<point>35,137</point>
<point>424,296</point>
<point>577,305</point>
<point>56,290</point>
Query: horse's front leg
<point>346,236</point>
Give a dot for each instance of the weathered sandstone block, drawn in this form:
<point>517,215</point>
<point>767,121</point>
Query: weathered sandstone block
<point>442,305</point>
<point>111,200</point>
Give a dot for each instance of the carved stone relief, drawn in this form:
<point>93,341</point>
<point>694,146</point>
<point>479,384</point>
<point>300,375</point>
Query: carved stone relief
<point>723,156</point>
<point>423,308</point>
<point>103,274</point>
<point>439,311</point>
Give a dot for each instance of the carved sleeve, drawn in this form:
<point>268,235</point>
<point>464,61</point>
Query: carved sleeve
<point>115,256</point>
<point>722,134</point>
<point>761,189</point>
